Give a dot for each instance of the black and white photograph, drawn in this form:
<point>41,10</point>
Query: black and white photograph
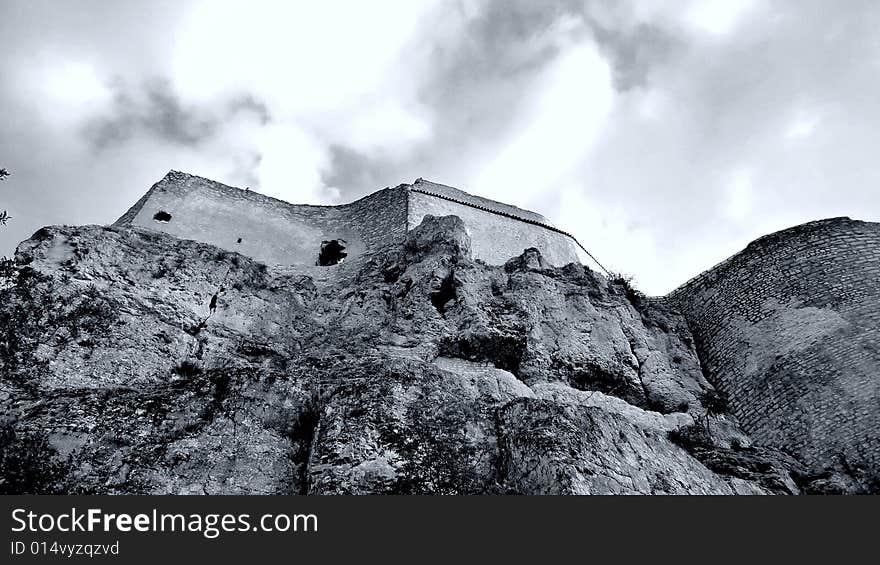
<point>435,247</point>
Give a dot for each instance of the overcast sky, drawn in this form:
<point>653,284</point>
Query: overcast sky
<point>664,134</point>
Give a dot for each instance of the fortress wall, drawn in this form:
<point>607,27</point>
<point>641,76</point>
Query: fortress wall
<point>495,238</point>
<point>379,218</point>
<point>271,231</point>
<point>788,330</point>
<point>276,232</point>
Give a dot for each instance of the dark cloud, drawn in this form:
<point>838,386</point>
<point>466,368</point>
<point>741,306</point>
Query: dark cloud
<point>486,76</point>
<point>478,83</point>
<point>353,172</point>
<point>154,109</point>
<point>634,53</point>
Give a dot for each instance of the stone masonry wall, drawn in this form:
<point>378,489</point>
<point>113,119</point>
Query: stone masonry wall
<point>495,238</point>
<point>276,232</point>
<point>788,330</point>
<point>271,231</point>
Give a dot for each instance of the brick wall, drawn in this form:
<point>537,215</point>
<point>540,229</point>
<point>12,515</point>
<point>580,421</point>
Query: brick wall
<point>788,330</point>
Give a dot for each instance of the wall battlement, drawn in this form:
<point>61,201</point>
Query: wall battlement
<point>277,232</point>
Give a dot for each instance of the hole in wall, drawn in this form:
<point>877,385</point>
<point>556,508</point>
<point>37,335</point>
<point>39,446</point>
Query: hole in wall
<point>162,216</point>
<point>239,240</point>
<point>332,252</point>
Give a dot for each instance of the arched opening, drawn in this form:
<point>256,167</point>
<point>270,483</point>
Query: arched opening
<point>332,252</point>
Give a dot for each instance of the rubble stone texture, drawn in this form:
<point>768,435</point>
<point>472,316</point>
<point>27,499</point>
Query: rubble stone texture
<point>414,368</point>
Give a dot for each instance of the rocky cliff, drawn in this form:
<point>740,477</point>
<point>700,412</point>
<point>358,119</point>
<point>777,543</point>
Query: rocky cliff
<point>415,369</point>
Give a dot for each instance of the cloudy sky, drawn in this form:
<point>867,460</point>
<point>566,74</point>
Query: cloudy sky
<point>665,134</point>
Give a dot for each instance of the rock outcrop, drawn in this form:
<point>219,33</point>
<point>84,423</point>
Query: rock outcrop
<point>415,369</point>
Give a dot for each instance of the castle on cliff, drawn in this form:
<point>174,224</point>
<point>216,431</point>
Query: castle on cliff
<point>787,329</point>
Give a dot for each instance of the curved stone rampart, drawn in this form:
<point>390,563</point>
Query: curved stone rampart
<point>788,330</point>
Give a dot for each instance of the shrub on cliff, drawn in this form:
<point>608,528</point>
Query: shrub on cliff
<point>625,282</point>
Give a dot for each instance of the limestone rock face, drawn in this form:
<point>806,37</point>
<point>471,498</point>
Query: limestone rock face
<point>411,370</point>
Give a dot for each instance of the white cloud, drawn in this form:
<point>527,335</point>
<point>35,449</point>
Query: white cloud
<point>329,72</point>
<point>385,126</point>
<point>75,83</point>
<point>291,164</point>
<point>61,92</point>
<point>300,58</point>
<point>615,240</point>
<point>803,125</point>
<point>652,105</point>
<point>717,17</point>
<point>739,196</point>
<point>574,103</point>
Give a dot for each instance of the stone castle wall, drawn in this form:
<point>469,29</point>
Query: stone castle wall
<point>270,230</point>
<point>498,231</point>
<point>788,330</point>
<point>276,232</point>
